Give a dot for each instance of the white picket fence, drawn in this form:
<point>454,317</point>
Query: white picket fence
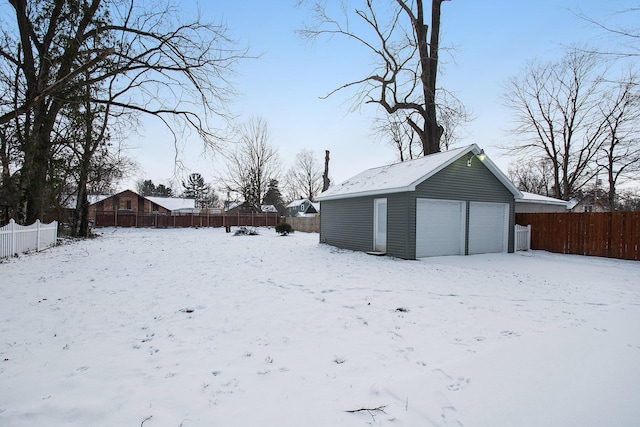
<point>17,239</point>
<point>523,237</point>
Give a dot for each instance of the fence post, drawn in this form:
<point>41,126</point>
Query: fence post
<point>12,227</point>
<point>37,235</point>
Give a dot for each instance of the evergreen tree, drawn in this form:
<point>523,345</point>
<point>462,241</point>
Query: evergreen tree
<point>274,197</point>
<point>162,191</point>
<point>195,188</point>
<point>146,188</point>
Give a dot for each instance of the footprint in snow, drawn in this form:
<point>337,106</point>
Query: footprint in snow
<point>339,360</point>
<point>459,384</point>
<point>450,417</point>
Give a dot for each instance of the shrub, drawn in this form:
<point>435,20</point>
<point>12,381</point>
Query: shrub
<point>283,228</point>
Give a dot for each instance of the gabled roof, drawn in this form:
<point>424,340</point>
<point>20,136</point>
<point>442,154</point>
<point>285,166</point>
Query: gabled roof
<point>405,176</point>
<point>172,203</point>
<point>169,203</point>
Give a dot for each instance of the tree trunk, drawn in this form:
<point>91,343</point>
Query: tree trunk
<point>432,132</point>
<point>325,176</point>
<point>34,179</point>
<point>81,215</point>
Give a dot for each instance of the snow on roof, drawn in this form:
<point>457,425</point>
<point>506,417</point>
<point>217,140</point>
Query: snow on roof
<point>296,203</point>
<point>173,203</point>
<point>537,198</point>
<point>405,176</point>
<point>95,198</point>
<point>268,208</point>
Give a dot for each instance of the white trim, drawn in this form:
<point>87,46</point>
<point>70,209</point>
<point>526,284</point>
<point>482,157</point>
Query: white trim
<point>342,191</point>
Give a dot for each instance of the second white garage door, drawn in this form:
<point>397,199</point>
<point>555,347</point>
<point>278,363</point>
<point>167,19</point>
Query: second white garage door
<point>488,227</point>
<point>440,227</point>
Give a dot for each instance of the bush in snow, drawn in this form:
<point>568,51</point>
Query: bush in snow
<point>283,228</point>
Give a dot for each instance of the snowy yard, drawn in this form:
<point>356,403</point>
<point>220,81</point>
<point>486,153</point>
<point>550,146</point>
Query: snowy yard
<point>196,327</point>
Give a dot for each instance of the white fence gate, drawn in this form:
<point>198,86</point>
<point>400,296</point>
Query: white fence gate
<point>523,237</point>
<point>17,239</point>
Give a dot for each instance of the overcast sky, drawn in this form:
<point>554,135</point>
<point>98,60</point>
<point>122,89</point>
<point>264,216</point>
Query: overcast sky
<point>492,41</point>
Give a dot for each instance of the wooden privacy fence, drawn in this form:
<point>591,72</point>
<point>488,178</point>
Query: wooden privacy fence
<point>606,234</point>
<point>128,219</point>
<point>17,239</point>
<point>305,224</point>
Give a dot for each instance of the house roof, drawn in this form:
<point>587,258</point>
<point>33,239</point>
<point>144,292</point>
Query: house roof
<point>297,203</point>
<point>405,176</point>
<point>537,198</point>
<point>169,203</point>
<point>172,203</point>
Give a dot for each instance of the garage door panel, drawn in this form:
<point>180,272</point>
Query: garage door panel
<point>488,227</point>
<point>439,227</point>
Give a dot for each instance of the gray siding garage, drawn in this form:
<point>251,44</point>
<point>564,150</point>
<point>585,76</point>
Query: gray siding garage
<point>451,203</point>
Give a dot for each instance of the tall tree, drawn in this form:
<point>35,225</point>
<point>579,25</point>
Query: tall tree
<point>619,156</point>
<point>162,190</point>
<point>533,176</point>
<point>274,197</point>
<point>555,106</point>
<point>406,54</point>
<point>146,188</point>
<point>196,188</point>
<point>53,49</point>
<point>305,176</point>
<point>253,163</point>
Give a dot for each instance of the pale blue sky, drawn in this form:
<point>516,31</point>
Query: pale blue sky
<point>492,39</point>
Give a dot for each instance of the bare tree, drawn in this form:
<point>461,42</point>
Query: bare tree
<point>533,175</point>
<point>406,55</point>
<point>305,176</point>
<point>395,130</point>
<point>619,156</point>
<point>556,113</point>
<point>253,163</point>
<point>152,62</point>
<point>625,32</point>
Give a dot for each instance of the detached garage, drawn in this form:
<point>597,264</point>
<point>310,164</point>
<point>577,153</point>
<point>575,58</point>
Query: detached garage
<point>455,202</point>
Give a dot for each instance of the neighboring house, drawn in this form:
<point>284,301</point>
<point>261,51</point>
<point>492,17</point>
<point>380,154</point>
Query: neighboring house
<point>241,207</point>
<point>131,202</point>
<point>589,203</point>
<point>455,202</point>
<point>535,203</point>
<point>303,207</point>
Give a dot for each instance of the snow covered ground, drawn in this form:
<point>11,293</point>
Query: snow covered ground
<point>196,327</point>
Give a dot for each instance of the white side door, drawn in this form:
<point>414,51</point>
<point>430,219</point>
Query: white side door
<point>380,225</point>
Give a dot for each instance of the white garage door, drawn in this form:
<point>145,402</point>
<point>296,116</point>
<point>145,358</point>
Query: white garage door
<point>488,227</point>
<point>439,227</point>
